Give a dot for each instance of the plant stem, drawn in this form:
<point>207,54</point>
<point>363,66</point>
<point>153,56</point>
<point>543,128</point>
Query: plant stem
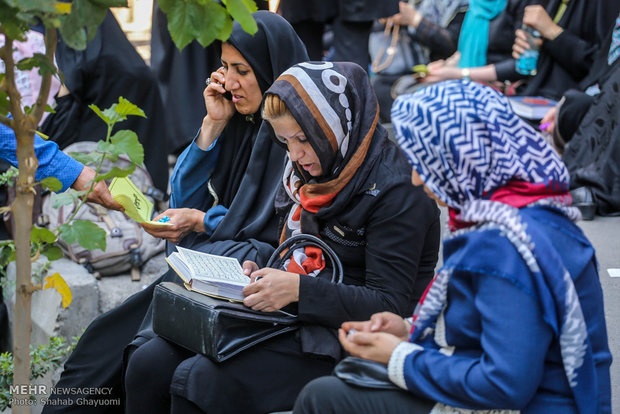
<point>92,184</point>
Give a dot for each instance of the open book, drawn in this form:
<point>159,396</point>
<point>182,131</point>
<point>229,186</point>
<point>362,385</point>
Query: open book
<point>212,275</point>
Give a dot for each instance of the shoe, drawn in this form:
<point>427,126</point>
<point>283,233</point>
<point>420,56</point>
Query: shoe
<point>584,201</point>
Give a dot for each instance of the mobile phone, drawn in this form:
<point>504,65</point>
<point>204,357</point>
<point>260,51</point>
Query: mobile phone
<point>227,95</point>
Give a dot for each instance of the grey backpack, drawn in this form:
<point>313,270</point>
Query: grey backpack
<point>128,246</point>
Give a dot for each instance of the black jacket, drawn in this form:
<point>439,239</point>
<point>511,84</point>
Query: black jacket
<point>388,242</point>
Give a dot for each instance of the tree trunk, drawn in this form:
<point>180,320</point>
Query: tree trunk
<point>22,212</point>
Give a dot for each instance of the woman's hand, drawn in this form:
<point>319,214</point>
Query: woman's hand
<point>537,17</point>
<point>444,69</point>
<point>182,222</point>
<point>520,45</point>
<point>407,16</point>
<point>219,109</point>
<point>549,120</point>
<point>387,322</point>
<point>441,73</point>
<point>375,346</point>
<point>270,289</point>
<point>249,267</point>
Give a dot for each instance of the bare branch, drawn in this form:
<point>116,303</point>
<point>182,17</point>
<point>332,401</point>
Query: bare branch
<point>46,80</point>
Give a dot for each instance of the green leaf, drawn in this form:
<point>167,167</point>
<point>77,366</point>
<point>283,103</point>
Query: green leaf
<point>116,172</point>
<point>51,183</point>
<point>42,135</point>
<point>14,24</point>
<point>72,32</point>
<point>80,26</point>
<point>241,11</point>
<point>86,233</point>
<point>41,235</point>
<point>38,6</point>
<point>49,109</point>
<point>7,252</point>
<point>112,115</point>
<point>186,21</point>
<point>219,20</point>
<point>68,197</point>
<point>52,252</point>
<point>100,114</point>
<point>125,108</point>
<point>126,142</point>
<point>4,102</point>
<point>86,159</point>
<point>38,60</point>
<point>110,3</point>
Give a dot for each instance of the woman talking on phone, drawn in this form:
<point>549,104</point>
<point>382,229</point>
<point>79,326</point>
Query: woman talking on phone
<point>223,190</point>
<point>232,166</point>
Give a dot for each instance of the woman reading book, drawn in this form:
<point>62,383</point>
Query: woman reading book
<point>344,182</point>
<point>230,182</point>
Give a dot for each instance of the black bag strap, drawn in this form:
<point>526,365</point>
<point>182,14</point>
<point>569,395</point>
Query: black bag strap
<point>304,240</point>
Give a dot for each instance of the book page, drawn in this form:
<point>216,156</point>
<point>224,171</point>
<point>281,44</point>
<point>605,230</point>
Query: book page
<point>136,205</point>
<point>212,267</point>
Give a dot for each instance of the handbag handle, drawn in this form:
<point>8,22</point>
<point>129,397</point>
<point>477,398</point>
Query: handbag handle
<point>376,65</point>
<point>303,240</point>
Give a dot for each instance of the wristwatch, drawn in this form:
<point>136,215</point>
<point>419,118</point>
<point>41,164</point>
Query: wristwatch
<point>465,72</point>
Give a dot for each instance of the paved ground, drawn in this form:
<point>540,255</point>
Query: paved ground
<point>604,233</point>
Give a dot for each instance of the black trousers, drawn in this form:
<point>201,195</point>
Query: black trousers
<point>263,379</point>
<point>330,395</point>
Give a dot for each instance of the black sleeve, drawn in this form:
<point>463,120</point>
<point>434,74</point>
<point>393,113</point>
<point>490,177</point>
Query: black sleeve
<point>441,42</point>
<point>576,55</point>
<point>398,232</point>
<point>506,71</point>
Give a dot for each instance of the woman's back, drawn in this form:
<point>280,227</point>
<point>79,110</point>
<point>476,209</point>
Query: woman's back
<point>470,255</point>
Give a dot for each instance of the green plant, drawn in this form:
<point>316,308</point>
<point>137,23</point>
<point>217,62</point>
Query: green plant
<point>76,21</point>
<point>43,359</point>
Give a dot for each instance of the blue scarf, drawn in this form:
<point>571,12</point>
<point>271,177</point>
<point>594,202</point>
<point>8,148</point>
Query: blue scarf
<point>474,37</point>
<point>466,144</point>
<point>614,48</point>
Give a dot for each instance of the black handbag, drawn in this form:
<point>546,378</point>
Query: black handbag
<point>364,373</point>
<point>219,329</point>
<point>392,51</point>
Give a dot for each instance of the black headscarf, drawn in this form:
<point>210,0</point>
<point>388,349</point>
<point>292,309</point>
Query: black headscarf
<point>270,51</point>
<point>250,165</point>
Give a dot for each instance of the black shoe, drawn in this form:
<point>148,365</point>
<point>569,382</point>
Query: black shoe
<point>584,201</point>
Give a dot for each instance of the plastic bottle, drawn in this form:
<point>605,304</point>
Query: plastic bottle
<point>526,64</point>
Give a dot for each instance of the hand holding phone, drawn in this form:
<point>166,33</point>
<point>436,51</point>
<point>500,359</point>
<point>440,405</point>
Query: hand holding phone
<point>218,109</point>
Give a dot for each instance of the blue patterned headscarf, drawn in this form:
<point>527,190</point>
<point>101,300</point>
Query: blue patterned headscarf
<point>467,146</point>
<point>466,142</point>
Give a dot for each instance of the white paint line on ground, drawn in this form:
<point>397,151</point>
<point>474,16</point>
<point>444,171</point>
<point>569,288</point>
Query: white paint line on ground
<point>613,272</point>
